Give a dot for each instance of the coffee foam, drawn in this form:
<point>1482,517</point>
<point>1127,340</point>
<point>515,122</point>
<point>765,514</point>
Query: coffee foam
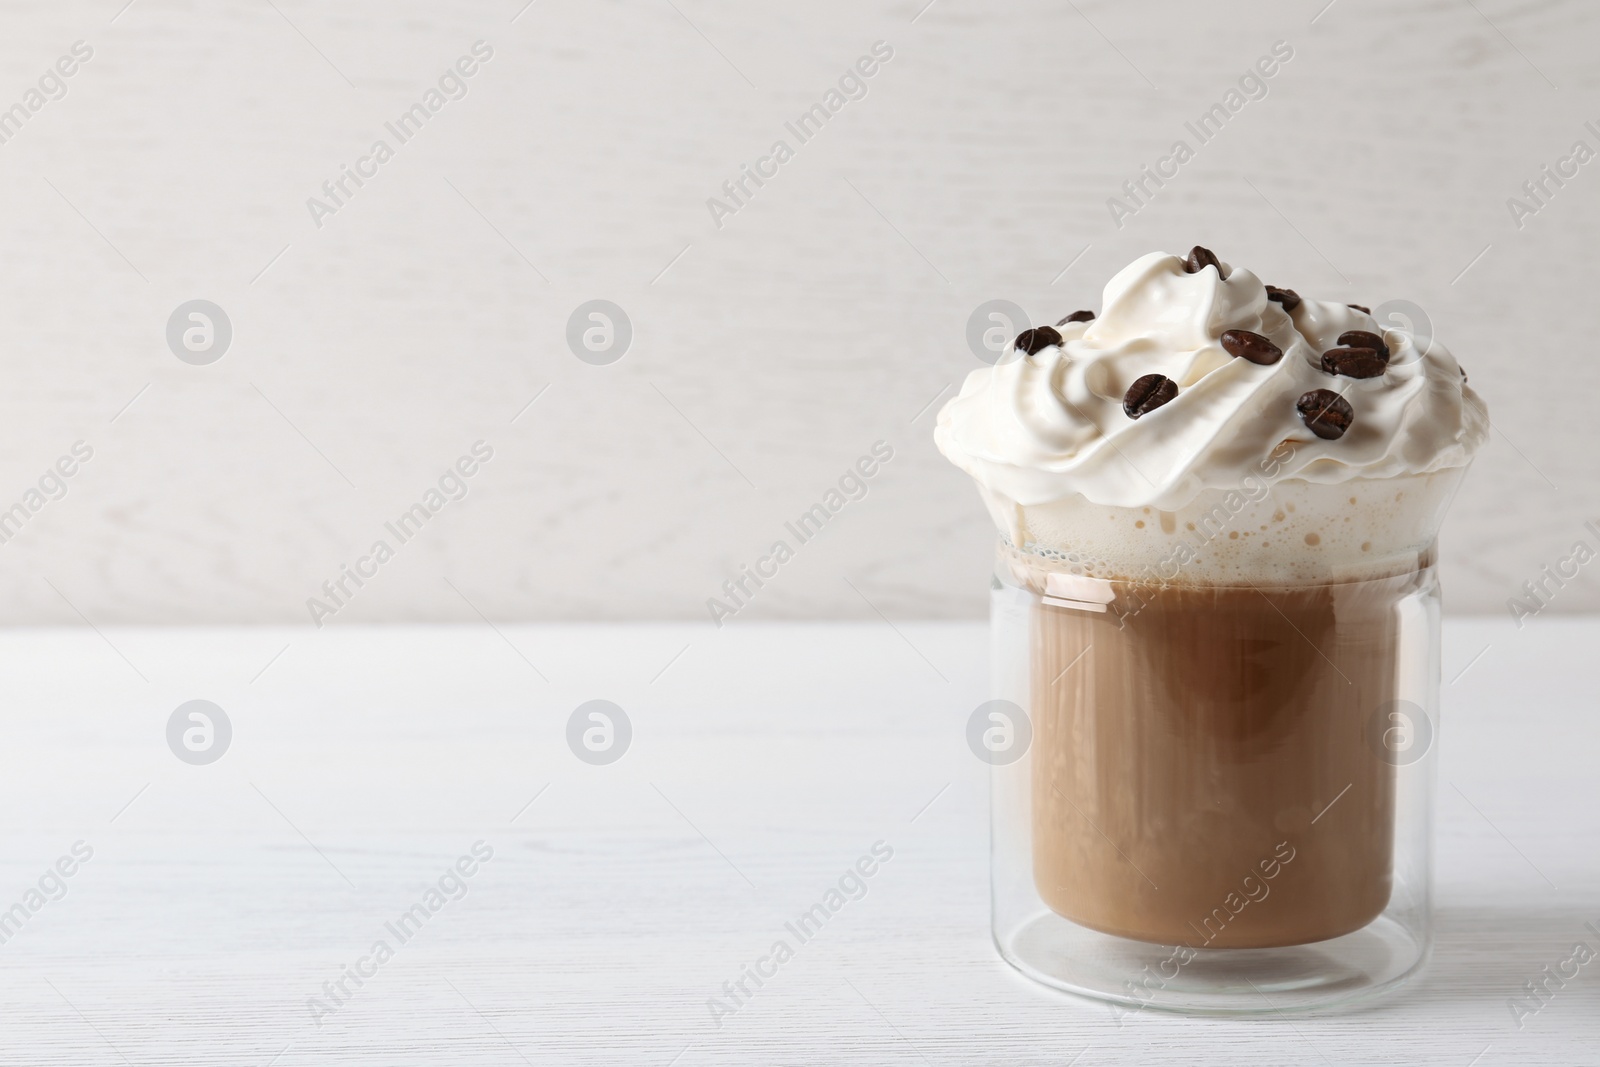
<point>1291,532</point>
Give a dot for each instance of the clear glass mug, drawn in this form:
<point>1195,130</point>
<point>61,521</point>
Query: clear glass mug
<point>1214,797</point>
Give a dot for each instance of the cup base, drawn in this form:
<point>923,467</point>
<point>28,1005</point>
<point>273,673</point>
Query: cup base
<point>1136,976</point>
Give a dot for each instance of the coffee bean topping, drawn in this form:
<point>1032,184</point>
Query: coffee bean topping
<point>1077,316</point>
<point>1147,394</point>
<point>1364,339</point>
<point>1251,346</point>
<point>1201,258</point>
<point>1358,307</point>
<point>1326,413</point>
<point>1354,362</point>
<point>1031,341</point>
<point>1287,297</point>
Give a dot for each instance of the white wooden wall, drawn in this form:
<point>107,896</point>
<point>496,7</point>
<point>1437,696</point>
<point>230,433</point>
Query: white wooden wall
<point>768,353</point>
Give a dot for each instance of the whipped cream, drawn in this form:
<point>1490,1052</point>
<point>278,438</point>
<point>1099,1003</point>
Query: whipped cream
<point>1039,429</point>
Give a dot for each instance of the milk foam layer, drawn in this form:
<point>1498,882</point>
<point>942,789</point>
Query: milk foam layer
<point>1291,533</point>
<point>1066,472</point>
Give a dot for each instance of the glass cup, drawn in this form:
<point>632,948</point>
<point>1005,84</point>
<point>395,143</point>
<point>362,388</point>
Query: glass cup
<point>1213,769</point>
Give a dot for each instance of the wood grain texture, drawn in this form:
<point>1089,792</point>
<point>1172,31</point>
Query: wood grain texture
<point>771,350</point>
<point>220,899</point>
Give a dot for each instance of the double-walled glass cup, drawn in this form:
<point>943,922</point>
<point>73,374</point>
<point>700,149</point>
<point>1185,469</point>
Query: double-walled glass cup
<point>1213,771</point>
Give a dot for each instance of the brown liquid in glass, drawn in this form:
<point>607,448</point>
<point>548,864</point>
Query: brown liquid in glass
<point>1203,774</point>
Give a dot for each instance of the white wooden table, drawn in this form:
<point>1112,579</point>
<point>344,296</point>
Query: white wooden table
<point>764,761</point>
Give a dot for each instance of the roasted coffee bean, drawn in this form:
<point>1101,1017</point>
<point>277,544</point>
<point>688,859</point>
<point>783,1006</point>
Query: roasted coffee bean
<point>1077,316</point>
<point>1251,346</point>
<point>1326,413</point>
<point>1354,362</point>
<point>1358,307</point>
<point>1040,337</point>
<point>1147,394</point>
<point>1201,258</point>
<point>1287,297</point>
<point>1364,339</point>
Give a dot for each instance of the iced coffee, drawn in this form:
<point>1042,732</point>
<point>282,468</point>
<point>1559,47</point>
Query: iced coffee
<point>1219,503</point>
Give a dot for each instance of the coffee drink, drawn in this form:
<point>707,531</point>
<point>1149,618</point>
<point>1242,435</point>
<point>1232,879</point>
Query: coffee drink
<point>1217,503</point>
<point>1202,767</point>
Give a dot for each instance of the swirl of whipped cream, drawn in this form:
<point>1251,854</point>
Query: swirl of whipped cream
<point>1037,429</point>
